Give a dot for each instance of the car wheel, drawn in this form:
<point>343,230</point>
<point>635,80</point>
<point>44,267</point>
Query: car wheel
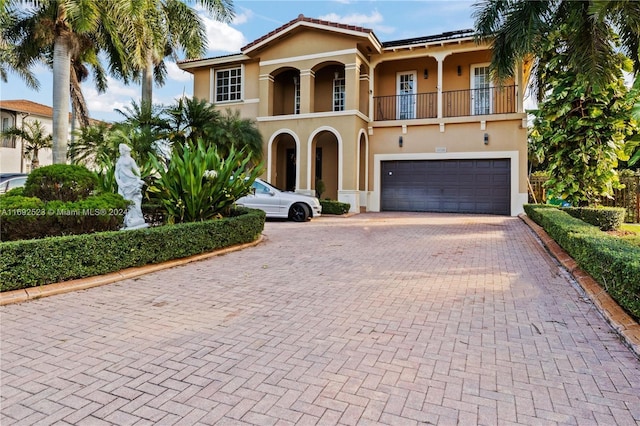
<point>299,212</point>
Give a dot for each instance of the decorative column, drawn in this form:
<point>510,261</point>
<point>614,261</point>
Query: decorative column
<point>307,85</point>
<point>265,108</point>
<point>352,86</point>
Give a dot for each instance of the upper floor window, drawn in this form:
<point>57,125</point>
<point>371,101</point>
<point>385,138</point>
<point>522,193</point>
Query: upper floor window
<point>406,99</point>
<point>229,85</point>
<point>481,93</point>
<point>296,95</point>
<point>338,93</point>
<point>10,141</point>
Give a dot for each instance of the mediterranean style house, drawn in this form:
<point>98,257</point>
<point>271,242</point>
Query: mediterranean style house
<point>15,113</point>
<point>405,125</point>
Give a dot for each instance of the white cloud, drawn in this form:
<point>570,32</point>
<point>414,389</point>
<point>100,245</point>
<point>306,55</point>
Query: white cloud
<point>223,38</point>
<point>373,21</point>
<point>242,18</point>
<point>176,74</point>
<point>117,96</point>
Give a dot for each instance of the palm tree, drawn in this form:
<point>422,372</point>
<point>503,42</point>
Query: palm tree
<point>191,119</point>
<point>517,30</point>
<point>236,133</point>
<point>162,28</point>
<point>34,139</point>
<point>9,54</point>
<point>62,32</point>
<point>91,146</point>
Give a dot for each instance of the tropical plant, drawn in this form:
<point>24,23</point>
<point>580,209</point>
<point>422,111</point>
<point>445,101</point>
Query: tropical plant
<point>579,132</point>
<point>234,132</point>
<point>34,137</point>
<point>144,129</point>
<point>191,119</point>
<point>199,184</point>
<point>162,28</point>
<point>61,33</point>
<point>9,53</point>
<point>91,146</point>
<point>592,30</point>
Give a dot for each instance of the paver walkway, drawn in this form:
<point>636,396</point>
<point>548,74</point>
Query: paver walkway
<point>394,319</point>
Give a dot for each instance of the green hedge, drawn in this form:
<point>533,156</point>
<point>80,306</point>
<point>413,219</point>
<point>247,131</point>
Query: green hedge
<point>23,218</point>
<point>31,263</point>
<point>605,218</point>
<point>334,207</point>
<point>63,182</point>
<point>611,261</point>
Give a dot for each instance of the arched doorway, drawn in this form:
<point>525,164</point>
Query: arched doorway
<point>284,162</point>
<point>363,169</point>
<point>324,167</point>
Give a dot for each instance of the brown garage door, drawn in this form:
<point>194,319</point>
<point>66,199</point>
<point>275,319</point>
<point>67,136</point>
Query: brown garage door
<point>460,186</point>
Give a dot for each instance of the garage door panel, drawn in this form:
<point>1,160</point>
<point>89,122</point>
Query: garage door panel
<point>465,186</point>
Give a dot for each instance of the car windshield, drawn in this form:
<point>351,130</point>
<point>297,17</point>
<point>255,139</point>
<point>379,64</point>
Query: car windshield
<point>268,185</point>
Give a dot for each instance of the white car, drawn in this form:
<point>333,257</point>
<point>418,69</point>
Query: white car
<point>281,204</point>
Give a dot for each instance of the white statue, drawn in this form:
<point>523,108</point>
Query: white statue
<point>130,187</point>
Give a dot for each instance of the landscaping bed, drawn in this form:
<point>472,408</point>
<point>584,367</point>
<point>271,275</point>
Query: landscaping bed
<point>31,263</point>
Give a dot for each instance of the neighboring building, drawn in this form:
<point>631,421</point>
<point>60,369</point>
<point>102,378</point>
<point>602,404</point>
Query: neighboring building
<point>14,113</point>
<point>409,125</point>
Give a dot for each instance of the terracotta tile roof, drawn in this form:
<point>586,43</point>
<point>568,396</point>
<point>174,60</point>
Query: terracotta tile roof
<point>22,105</point>
<point>34,108</point>
<point>302,18</point>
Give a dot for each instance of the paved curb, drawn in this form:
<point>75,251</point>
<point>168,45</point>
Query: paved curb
<point>23,295</point>
<point>623,324</point>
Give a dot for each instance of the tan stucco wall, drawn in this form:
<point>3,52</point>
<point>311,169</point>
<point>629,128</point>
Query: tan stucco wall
<point>202,84</point>
<point>460,137</point>
<point>307,43</point>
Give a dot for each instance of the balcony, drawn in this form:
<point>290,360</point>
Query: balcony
<point>455,103</point>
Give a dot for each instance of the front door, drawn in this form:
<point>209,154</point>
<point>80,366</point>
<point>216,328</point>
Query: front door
<point>480,90</point>
<point>406,93</point>
<point>291,170</point>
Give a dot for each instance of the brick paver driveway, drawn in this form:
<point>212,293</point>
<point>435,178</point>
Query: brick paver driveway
<point>384,318</point>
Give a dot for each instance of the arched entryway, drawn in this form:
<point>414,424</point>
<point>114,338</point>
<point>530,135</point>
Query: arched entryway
<point>325,164</point>
<point>284,163</point>
<point>363,169</point>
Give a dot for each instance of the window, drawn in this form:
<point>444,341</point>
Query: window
<point>229,85</point>
<point>480,90</point>
<point>406,100</point>
<point>10,141</point>
<point>296,95</point>
<point>338,93</point>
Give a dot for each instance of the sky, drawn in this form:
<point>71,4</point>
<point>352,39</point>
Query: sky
<point>389,19</point>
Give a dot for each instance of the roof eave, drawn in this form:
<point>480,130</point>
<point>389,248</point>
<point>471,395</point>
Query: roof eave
<point>208,62</point>
<point>301,23</point>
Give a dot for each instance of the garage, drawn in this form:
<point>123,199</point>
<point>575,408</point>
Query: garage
<point>458,186</point>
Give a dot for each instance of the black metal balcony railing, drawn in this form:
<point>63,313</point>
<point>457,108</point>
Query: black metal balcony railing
<point>455,103</point>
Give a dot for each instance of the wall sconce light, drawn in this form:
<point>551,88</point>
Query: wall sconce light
<point>400,141</point>
<point>459,70</point>
<point>486,138</point>
<point>426,73</point>
<point>336,75</point>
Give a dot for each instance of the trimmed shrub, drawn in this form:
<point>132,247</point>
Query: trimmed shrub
<point>62,182</point>
<point>334,207</point>
<point>31,263</point>
<point>612,261</point>
<point>605,218</point>
<point>24,218</point>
